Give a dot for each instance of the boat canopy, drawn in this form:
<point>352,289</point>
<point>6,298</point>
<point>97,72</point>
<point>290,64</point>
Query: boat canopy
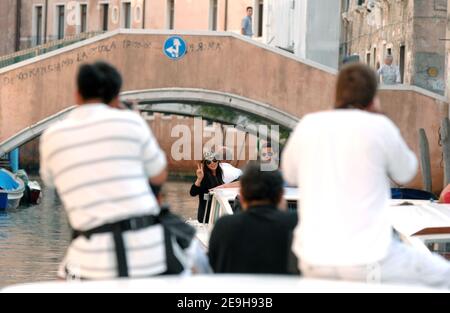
<point>7,182</point>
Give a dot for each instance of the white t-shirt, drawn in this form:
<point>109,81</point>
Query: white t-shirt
<point>342,161</point>
<point>230,173</point>
<point>100,159</point>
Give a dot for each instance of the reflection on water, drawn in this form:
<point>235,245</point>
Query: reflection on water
<point>33,240</point>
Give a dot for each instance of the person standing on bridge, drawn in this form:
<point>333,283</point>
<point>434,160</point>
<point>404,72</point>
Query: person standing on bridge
<point>247,23</point>
<point>101,159</point>
<point>351,153</point>
<point>389,74</point>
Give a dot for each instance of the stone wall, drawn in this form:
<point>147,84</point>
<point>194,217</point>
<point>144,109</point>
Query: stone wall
<point>418,26</point>
<point>7,26</point>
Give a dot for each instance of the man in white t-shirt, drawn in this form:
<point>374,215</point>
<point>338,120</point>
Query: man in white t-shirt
<point>342,161</point>
<point>101,159</point>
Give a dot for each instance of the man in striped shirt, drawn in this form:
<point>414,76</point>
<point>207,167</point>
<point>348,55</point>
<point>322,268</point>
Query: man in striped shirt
<point>100,159</point>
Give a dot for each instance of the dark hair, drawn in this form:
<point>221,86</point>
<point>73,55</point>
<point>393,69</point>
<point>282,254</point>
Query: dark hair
<point>259,185</point>
<point>212,180</point>
<point>248,8</point>
<point>267,145</point>
<point>356,87</point>
<point>156,190</point>
<point>99,81</point>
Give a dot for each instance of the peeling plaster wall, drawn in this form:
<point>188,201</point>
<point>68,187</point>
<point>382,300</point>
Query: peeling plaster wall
<point>417,25</point>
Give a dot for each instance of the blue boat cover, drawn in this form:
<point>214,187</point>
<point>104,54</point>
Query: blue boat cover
<point>7,182</point>
<point>412,194</point>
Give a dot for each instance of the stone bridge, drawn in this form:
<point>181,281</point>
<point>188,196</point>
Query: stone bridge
<point>220,69</point>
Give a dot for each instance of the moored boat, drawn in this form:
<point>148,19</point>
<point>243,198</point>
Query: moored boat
<point>424,224</point>
<point>12,189</point>
<point>32,194</point>
<point>35,192</point>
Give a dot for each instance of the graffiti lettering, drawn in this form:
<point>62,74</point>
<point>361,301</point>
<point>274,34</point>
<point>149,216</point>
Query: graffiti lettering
<point>136,44</point>
<point>205,46</point>
<point>78,57</point>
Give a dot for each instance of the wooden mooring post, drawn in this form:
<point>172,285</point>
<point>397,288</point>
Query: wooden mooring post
<point>425,162</point>
<point>445,142</point>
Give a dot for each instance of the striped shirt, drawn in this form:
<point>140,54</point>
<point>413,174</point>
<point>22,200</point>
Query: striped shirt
<point>100,159</point>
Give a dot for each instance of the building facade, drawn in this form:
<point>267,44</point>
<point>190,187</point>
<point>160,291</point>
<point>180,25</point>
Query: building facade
<point>308,28</point>
<point>33,22</point>
<point>412,31</point>
<point>8,22</point>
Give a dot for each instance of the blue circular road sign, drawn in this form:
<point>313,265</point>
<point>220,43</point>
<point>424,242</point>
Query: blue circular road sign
<point>175,48</point>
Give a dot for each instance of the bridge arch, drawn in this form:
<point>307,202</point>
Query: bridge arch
<point>216,106</point>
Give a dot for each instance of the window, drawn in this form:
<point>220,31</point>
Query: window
<point>38,25</point>
<point>171,14</point>
<point>126,15</point>
<point>60,21</point>
<point>105,16</point>
<point>83,12</point>
<point>346,5</point>
<point>440,246</point>
<point>368,59</point>
<point>389,51</point>
<point>214,14</point>
<point>374,57</point>
<point>261,17</point>
<point>402,62</point>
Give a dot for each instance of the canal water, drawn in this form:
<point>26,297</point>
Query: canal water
<point>33,240</point>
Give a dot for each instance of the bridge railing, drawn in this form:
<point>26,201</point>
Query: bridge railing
<point>26,54</point>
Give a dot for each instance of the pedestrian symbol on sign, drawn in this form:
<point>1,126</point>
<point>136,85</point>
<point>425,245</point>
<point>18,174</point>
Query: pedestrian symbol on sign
<point>175,48</point>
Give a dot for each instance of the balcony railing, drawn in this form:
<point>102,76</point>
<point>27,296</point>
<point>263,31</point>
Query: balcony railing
<point>26,54</point>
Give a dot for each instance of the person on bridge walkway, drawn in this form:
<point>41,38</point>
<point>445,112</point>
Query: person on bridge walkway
<point>247,23</point>
<point>100,159</point>
<point>389,74</point>
<point>351,152</point>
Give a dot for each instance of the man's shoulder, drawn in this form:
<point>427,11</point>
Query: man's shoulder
<point>126,118</point>
<point>124,114</point>
<point>58,126</point>
<point>109,114</point>
<point>229,222</point>
<point>317,116</point>
<point>380,119</point>
<point>333,118</point>
<point>230,219</point>
<point>288,219</point>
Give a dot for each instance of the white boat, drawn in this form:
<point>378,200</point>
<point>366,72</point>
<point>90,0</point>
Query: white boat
<point>217,284</point>
<point>422,224</point>
<point>12,189</point>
